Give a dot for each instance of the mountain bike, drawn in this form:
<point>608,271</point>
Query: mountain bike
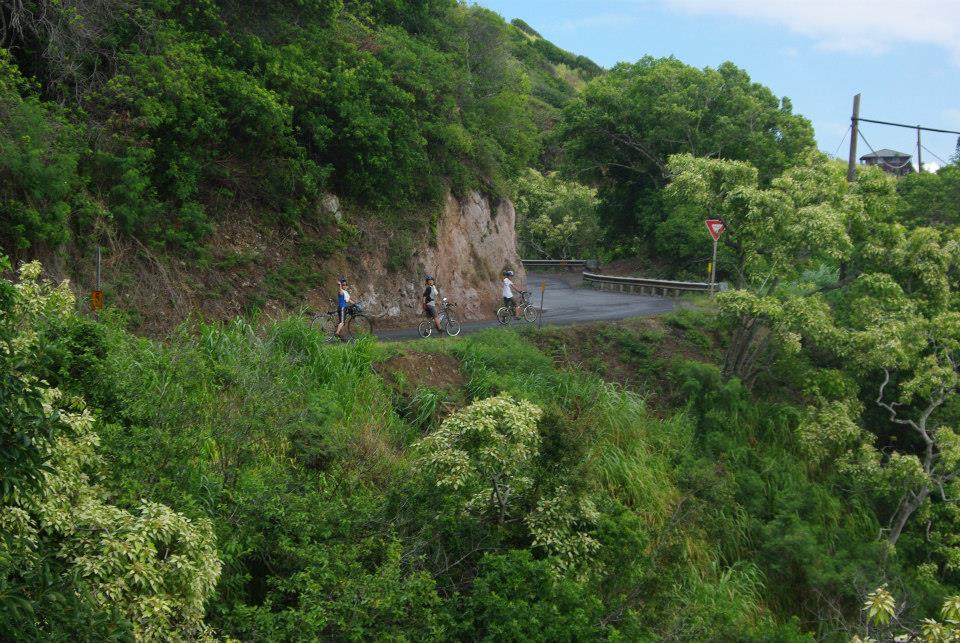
<point>448,323</point>
<point>525,309</point>
<point>357,323</point>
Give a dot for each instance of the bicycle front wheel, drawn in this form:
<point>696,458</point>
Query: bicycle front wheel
<point>425,328</point>
<point>531,313</point>
<point>359,326</point>
<point>453,327</point>
<point>503,315</point>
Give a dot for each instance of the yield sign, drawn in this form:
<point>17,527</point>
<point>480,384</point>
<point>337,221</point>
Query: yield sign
<point>715,226</point>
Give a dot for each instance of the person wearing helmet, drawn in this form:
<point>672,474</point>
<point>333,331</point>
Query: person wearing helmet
<point>428,301</point>
<point>343,302</point>
<point>508,293</point>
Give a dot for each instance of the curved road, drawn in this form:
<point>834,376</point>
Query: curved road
<point>568,301</point>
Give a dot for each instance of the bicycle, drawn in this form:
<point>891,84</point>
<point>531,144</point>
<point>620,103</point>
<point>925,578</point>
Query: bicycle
<point>356,323</point>
<point>526,310</point>
<point>448,322</point>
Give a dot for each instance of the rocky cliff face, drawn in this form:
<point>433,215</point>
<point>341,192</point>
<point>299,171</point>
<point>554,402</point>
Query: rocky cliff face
<point>475,243</point>
<point>278,271</point>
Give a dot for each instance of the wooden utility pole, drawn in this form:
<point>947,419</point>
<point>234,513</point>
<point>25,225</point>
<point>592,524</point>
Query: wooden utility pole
<point>919,154</point>
<point>854,134</point>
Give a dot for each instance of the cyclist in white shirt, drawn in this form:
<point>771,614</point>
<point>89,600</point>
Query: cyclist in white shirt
<point>508,293</point>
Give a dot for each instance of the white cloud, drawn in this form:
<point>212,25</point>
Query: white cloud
<point>862,26</point>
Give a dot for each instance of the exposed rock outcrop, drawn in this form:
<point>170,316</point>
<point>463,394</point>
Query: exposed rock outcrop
<point>475,242</point>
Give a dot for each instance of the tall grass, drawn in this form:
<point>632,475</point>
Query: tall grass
<point>214,398</point>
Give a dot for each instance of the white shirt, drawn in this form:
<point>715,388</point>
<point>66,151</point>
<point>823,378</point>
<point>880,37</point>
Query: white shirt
<point>507,292</point>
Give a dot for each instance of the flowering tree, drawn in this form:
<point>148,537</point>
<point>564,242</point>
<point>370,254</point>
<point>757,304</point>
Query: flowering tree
<point>484,453</point>
<point>153,566</point>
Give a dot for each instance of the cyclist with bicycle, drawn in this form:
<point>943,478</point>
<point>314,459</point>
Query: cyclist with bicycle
<point>343,302</point>
<point>428,302</point>
<point>508,294</point>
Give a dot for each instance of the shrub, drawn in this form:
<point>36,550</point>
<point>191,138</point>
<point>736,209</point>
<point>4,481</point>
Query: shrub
<point>39,152</point>
<point>150,569</point>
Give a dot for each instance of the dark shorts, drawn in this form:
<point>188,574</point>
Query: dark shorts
<point>341,315</point>
<point>508,302</point>
<point>431,310</point>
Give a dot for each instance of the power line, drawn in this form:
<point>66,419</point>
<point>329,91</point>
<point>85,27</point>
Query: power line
<point>934,154</point>
<point>867,142</point>
<point>842,139</point>
<point>913,127</point>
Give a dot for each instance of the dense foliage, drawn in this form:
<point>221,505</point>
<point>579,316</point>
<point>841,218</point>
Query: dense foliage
<point>783,464</point>
<point>860,280</point>
<point>162,117</point>
<point>72,562</point>
<point>556,219</point>
<point>624,126</point>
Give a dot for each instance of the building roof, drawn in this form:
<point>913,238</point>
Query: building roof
<point>885,153</point>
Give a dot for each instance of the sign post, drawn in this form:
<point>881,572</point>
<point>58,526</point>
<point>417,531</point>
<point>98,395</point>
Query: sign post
<point>543,287</point>
<point>96,297</point>
<point>716,228</point>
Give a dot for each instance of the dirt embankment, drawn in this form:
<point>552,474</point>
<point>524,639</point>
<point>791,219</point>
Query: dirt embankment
<point>253,266</point>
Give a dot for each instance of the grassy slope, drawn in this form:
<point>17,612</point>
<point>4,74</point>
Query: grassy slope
<point>301,452</point>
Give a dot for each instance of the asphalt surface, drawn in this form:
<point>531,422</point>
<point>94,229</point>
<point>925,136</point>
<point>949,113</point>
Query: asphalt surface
<point>566,301</point>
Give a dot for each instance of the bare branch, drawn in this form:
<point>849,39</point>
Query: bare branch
<point>891,408</point>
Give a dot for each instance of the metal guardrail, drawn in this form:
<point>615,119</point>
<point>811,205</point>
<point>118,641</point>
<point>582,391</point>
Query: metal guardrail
<point>568,264</point>
<point>662,287</point>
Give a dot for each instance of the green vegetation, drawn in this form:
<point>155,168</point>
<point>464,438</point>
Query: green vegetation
<point>161,118</point>
<point>556,219</point>
<point>781,463</point>
<point>525,498</point>
<point>621,130</point>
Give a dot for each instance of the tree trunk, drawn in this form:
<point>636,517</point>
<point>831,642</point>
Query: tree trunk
<point>907,507</point>
<point>747,351</point>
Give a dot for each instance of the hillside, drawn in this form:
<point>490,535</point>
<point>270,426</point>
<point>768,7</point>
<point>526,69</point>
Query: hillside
<point>199,144</point>
<point>197,462</point>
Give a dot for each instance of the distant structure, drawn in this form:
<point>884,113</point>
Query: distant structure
<point>892,161</point>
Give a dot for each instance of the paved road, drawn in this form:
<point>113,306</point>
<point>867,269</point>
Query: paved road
<point>567,301</point>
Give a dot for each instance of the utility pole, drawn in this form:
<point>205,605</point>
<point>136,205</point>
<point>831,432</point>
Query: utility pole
<point>854,133</point>
<point>919,155</point>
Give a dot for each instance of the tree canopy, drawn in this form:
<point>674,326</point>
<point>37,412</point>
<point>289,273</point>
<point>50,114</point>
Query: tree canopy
<point>622,129</point>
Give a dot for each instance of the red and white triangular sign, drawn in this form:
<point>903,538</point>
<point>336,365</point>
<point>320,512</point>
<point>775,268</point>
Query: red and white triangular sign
<point>715,226</point>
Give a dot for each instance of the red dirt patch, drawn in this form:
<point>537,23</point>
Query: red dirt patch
<point>418,369</point>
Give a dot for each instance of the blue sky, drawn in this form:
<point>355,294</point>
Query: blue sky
<point>903,56</point>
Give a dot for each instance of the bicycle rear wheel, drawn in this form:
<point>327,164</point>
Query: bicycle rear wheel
<point>426,328</point>
<point>504,315</point>
<point>453,327</point>
<point>530,313</point>
<point>326,325</point>
<point>358,326</point>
